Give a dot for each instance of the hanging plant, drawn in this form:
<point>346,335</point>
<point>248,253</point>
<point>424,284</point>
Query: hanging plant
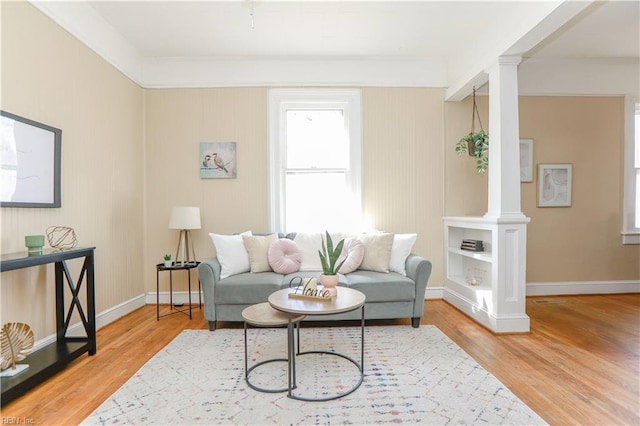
<point>476,144</point>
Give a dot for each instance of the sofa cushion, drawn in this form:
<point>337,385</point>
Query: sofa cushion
<point>247,288</point>
<point>257,248</point>
<point>400,250</point>
<point>284,256</point>
<point>309,244</point>
<point>382,287</point>
<point>297,277</point>
<point>231,254</point>
<point>352,254</point>
<point>377,251</point>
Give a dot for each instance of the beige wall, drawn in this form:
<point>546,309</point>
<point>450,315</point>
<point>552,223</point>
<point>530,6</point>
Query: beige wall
<point>583,242</point>
<point>50,77</point>
<point>402,154</point>
<point>177,121</point>
<point>580,243</point>
<point>403,166</point>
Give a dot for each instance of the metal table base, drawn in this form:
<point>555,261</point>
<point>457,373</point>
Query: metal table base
<point>292,362</point>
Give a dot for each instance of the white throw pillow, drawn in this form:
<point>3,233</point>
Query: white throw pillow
<point>231,253</point>
<point>402,246</point>
<point>258,249</point>
<point>352,254</point>
<point>309,244</point>
<point>377,252</point>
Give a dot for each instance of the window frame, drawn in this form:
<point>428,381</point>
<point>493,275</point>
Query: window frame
<point>282,99</point>
<point>630,233</point>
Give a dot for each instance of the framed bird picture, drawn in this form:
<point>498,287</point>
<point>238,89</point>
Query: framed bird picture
<point>218,160</point>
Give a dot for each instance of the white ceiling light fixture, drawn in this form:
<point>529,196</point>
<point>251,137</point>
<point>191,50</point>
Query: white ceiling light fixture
<point>250,4</point>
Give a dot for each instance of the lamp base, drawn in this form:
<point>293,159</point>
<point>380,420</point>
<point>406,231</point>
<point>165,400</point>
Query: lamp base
<point>185,259</point>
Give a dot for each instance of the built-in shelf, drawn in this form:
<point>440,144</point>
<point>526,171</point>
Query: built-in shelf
<point>479,255</point>
<point>475,284</point>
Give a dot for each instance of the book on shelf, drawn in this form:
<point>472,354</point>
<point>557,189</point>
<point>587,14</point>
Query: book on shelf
<point>472,245</point>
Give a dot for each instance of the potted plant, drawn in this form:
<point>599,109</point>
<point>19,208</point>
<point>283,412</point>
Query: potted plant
<point>167,260</point>
<point>476,144</point>
<point>328,257</point>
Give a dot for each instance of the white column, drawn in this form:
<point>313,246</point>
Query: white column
<point>504,141</point>
<point>508,313</point>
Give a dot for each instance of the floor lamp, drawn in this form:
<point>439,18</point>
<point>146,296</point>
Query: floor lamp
<point>185,219</point>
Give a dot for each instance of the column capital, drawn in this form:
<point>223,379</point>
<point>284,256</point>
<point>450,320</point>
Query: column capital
<point>509,60</point>
<point>504,60</point>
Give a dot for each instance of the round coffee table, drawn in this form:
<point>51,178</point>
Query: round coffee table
<point>346,300</point>
<point>263,315</point>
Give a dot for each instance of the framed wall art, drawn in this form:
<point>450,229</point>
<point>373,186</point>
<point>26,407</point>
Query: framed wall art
<point>31,163</point>
<point>526,160</point>
<point>554,185</point>
<point>218,160</point>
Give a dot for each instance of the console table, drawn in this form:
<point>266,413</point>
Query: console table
<point>50,359</point>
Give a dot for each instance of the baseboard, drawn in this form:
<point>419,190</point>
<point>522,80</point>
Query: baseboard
<point>178,297</point>
<point>582,287</point>
<point>102,319</point>
<point>563,288</point>
<point>498,324</point>
<point>434,293</point>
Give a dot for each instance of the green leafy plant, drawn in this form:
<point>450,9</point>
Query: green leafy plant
<point>167,257</point>
<point>477,145</point>
<point>329,255</point>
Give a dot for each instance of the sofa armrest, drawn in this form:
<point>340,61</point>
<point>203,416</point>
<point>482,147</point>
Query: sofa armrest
<point>419,270</point>
<point>209,275</point>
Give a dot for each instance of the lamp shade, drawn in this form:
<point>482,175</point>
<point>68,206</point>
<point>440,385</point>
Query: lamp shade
<point>185,218</point>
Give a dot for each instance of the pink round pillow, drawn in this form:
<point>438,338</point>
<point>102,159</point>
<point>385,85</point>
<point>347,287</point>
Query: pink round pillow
<point>353,252</point>
<point>284,256</point>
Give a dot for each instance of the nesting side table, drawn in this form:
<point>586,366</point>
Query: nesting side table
<point>263,315</point>
<point>347,300</point>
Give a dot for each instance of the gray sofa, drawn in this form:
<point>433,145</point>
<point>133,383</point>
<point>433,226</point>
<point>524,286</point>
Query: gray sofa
<point>388,295</point>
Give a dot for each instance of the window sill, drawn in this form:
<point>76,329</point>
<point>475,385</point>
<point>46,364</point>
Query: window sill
<point>630,238</point>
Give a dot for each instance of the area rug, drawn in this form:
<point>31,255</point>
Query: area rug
<point>411,376</point>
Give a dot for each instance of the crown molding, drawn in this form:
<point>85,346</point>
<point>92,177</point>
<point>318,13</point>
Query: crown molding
<point>84,23</point>
<point>294,71</point>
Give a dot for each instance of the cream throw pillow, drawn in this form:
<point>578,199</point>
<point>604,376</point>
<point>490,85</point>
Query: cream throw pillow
<point>231,254</point>
<point>258,250</point>
<point>377,251</point>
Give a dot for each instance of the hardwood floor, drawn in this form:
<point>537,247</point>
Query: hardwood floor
<point>579,365</point>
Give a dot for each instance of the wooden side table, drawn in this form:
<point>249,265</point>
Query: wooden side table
<point>176,267</point>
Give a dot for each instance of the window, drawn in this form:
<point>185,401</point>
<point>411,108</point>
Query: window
<point>631,218</point>
<point>315,159</point>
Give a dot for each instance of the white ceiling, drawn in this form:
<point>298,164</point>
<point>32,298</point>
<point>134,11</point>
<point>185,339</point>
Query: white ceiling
<point>431,29</point>
<point>436,43</point>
